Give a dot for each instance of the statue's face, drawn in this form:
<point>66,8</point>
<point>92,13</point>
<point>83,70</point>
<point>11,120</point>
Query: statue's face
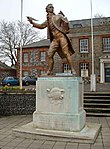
<point>50,8</point>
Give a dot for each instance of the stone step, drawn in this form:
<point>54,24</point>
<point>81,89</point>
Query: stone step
<point>97,104</point>
<point>100,105</point>
<point>97,110</point>
<point>97,101</point>
<point>93,96</point>
<point>97,93</point>
<point>98,114</point>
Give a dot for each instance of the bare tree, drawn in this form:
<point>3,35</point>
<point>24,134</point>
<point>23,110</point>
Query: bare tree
<point>10,39</point>
<point>97,15</point>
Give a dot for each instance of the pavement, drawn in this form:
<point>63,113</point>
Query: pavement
<point>8,123</point>
<point>7,141</point>
<point>100,87</point>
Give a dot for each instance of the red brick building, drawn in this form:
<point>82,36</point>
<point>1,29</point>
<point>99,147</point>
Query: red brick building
<point>35,57</point>
<point>80,35</point>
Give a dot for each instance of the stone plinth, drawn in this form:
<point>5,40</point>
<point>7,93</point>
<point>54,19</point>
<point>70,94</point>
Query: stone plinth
<point>59,104</point>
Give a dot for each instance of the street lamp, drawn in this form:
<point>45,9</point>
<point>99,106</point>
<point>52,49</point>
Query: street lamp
<point>93,77</point>
<point>21,33</point>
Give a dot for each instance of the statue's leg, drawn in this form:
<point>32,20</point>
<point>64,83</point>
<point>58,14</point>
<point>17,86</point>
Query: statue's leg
<point>68,57</point>
<point>50,64</point>
<point>51,52</point>
<point>65,50</point>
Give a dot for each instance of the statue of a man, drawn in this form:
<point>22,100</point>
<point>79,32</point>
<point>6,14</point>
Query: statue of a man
<point>58,27</point>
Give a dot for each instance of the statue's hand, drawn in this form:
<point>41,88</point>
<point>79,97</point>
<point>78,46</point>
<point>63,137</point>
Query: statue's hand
<point>30,19</point>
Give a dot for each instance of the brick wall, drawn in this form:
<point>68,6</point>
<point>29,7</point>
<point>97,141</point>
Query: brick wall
<point>85,32</point>
<point>34,65</point>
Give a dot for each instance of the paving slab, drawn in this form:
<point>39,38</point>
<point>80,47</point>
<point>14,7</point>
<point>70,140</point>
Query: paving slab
<point>87,135</point>
<point>5,142</point>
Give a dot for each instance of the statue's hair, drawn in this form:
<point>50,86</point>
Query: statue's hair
<point>48,6</point>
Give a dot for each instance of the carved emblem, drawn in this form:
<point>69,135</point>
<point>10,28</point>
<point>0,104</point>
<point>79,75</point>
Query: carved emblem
<point>55,95</point>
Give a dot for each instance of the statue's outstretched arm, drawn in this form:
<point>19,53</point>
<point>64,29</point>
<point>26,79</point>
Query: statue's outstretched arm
<point>39,26</point>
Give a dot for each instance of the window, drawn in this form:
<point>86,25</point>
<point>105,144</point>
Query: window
<point>67,68</point>
<point>42,72</point>
<point>25,73</point>
<point>83,45</point>
<point>43,56</point>
<point>84,69</point>
<point>106,44</point>
<point>25,55</point>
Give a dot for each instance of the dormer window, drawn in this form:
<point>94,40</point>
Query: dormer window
<point>77,25</point>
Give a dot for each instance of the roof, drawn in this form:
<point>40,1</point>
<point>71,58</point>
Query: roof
<point>87,22</point>
<point>4,66</point>
<point>41,43</point>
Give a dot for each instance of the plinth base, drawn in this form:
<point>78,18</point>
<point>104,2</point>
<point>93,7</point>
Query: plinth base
<point>87,135</point>
<point>59,114</point>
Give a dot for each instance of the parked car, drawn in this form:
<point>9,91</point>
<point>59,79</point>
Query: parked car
<point>28,80</point>
<point>10,81</point>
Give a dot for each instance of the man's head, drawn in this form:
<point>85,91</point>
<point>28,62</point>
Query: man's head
<point>49,8</point>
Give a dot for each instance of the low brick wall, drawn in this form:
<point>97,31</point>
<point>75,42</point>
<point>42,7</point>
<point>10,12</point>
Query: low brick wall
<point>17,103</point>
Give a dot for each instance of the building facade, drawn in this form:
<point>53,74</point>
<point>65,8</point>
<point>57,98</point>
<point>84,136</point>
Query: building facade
<point>33,58</point>
<point>80,35</point>
<point>35,55</point>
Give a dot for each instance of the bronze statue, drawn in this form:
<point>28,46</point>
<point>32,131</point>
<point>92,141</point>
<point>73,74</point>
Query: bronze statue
<point>58,27</point>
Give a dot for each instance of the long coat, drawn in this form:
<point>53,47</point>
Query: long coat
<point>61,24</point>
